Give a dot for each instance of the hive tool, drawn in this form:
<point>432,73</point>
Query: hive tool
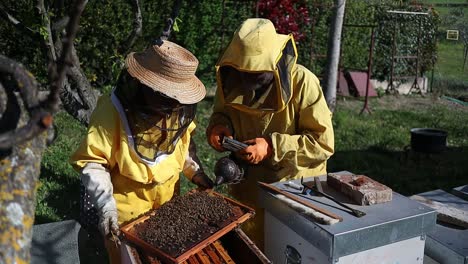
<point>310,189</point>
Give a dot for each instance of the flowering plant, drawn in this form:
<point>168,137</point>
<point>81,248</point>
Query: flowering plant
<point>288,16</point>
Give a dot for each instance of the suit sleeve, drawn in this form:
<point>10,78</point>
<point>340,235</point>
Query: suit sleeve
<point>314,142</point>
<point>219,116</point>
<point>97,146</point>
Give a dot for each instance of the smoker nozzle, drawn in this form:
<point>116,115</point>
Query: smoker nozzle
<point>219,180</point>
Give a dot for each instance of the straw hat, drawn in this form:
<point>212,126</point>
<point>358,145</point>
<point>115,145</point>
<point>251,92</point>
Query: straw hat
<point>169,69</point>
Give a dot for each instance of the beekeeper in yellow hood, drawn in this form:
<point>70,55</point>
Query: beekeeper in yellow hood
<point>139,140</point>
<point>274,105</point>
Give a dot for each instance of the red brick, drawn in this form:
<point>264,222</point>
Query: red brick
<point>362,189</point>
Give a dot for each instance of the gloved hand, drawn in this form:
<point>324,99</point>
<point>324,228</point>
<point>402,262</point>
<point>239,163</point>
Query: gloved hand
<point>259,150</point>
<point>202,181</point>
<point>215,136</point>
<point>108,224</point>
<point>97,181</point>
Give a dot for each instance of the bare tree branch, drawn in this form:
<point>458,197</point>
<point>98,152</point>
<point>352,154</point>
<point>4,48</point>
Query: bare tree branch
<point>77,96</point>
<point>169,23</point>
<point>60,24</point>
<point>49,43</point>
<point>137,28</point>
<point>15,22</point>
<point>58,70</point>
<point>83,87</point>
<point>40,112</point>
<point>76,93</point>
<point>39,120</point>
<point>73,106</point>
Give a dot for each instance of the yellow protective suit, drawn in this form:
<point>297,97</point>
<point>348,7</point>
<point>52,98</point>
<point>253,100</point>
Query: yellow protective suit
<point>293,113</point>
<point>137,186</point>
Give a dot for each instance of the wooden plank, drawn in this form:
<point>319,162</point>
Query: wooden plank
<point>294,198</point>
<point>203,257</point>
<point>193,260</point>
<point>222,252</point>
<point>213,256</point>
<point>445,213</point>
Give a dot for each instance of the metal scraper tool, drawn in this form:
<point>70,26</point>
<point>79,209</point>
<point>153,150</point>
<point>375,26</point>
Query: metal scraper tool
<point>317,188</point>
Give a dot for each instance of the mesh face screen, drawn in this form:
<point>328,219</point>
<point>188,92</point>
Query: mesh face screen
<point>156,121</point>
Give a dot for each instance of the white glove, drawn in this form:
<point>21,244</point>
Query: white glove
<point>97,181</point>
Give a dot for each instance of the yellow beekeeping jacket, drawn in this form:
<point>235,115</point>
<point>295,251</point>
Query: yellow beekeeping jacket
<point>138,185</point>
<point>298,122</point>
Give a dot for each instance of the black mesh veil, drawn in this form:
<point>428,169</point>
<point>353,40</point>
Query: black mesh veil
<point>284,65</point>
<point>156,122</point>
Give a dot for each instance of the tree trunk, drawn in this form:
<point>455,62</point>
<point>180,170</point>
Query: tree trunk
<point>23,121</point>
<point>333,54</point>
<point>19,173</point>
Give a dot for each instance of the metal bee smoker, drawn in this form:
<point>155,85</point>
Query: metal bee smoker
<point>227,169</point>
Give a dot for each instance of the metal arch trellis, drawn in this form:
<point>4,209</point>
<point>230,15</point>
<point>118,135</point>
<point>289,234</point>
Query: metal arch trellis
<point>368,70</point>
<point>391,89</point>
<point>369,61</point>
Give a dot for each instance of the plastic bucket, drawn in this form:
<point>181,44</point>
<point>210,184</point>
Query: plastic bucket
<point>428,140</point>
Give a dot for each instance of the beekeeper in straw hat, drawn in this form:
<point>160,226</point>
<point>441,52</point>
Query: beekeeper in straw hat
<point>139,140</point>
<point>274,105</point>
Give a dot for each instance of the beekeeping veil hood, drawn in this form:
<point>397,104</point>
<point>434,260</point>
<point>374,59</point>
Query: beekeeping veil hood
<point>257,48</point>
<point>156,98</point>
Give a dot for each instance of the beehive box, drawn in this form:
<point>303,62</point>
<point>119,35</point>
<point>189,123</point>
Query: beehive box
<point>233,247</point>
<point>198,241</point>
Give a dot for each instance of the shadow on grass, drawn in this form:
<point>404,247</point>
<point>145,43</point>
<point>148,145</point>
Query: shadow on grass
<point>62,193</point>
<point>406,172</point>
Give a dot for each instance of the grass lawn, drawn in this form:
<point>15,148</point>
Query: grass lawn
<point>448,73</point>
<point>446,1</point>
<point>375,145</point>
<point>450,62</point>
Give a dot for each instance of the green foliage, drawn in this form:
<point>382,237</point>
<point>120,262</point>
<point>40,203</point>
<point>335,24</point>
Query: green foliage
<point>407,34</point>
<point>98,42</point>
<point>314,46</point>
<point>20,46</point>
<point>207,33</point>
<point>105,25</point>
<point>356,38</point>
<point>204,29</point>
<point>375,145</point>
